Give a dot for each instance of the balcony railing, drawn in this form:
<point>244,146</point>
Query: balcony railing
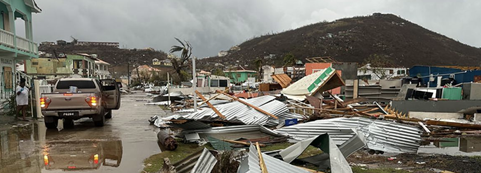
<point>7,39</point>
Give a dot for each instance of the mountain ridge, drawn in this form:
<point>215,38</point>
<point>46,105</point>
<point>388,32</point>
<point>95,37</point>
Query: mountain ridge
<point>354,40</point>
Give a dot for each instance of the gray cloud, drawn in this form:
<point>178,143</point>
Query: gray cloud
<point>214,25</point>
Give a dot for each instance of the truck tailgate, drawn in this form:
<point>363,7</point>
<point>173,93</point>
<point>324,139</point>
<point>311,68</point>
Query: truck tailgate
<point>67,101</point>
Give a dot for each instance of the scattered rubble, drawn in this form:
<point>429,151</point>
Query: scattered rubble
<point>307,114</point>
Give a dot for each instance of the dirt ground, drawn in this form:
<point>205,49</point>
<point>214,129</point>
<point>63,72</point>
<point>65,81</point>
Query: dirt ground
<point>417,162</point>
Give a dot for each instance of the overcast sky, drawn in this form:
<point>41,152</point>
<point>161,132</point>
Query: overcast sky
<point>214,25</point>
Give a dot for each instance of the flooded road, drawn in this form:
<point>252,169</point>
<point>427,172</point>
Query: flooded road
<point>120,146</point>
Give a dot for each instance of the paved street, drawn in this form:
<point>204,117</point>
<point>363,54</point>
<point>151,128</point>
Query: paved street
<point>120,146</point>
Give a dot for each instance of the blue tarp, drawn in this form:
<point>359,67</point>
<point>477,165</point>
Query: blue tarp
<point>460,76</point>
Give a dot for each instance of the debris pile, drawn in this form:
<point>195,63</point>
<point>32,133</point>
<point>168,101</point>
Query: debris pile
<point>264,110</point>
<point>304,115</point>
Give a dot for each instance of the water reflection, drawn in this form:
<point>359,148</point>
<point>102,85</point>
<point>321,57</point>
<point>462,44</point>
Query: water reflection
<point>465,146</point>
<point>30,148</point>
<point>77,155</point>
<point>19,150</point>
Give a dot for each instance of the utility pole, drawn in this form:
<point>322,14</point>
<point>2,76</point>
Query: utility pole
<point>194,84</point>
<point>128,73</point>
<point>168,89</point>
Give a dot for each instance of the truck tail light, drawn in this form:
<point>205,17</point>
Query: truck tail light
<point>44,102</point>
<point>92,101</point>
<point>45,160</point>
<point>96,159</point>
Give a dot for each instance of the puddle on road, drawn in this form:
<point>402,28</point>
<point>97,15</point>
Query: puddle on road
<point>459,146</point>
<point>31,148</point>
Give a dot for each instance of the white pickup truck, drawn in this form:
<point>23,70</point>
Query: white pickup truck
<point>93,99</point>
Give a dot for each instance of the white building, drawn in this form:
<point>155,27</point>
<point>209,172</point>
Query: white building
<point>376,73</point>
<point>267,72</point>
<point>102,69</point>
<point>222,53</point>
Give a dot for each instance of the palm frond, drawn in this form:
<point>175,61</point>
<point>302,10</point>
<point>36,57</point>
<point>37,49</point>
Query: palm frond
<point>176,49</point>
<point>183,45</point>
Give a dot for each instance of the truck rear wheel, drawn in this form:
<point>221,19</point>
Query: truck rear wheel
<point>99,120</point>
<point>109,114</point>
<point>51,122</point>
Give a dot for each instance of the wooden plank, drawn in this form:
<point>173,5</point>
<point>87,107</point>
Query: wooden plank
<point>424,127</point>
<point>261,160</point>
<point>217,95</point>
<point>252,106</point>
<point>369,110</point>
<point>355,91</point>
<point>240,142</point>
<point>453,124</point>
<point>209,104</point>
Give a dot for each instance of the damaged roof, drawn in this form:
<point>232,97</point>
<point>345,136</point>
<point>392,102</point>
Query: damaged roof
<point>251,164</point>
<point>380,135</point>
<point>239,112</point>
<point>320,81</point>
<point>283,79</point>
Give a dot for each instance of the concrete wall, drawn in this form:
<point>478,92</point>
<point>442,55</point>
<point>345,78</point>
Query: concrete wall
<point>477,117</point>
<point>349,69</point>
<point>435,115</point>
<point>434,106</point>
<point>472,91</point>
<point>386,84</point>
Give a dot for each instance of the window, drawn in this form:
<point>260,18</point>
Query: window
<point>238,75</point>
<point>34,63</point>
<point>223,83</point>
<point>214,83</point>
<point>77,64</point>
<point>391,71</point>
<point>78,84</point>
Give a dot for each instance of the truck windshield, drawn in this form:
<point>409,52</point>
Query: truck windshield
<point>78,84</point>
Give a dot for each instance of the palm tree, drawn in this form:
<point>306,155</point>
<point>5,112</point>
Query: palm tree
<point>180,63</point>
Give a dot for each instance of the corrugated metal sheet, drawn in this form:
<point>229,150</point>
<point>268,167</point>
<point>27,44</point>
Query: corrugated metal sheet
<point>380,135</point>
<point>238,112</point>
<point>205,163</point>
<point>234,129</point>
<point>273,165</point>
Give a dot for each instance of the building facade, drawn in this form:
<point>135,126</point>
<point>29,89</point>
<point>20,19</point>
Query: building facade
<point>240,76</point>
<point>143,73</point>
<point>102,69</point>
<point>81,64</point>
<point>375,73</point>
<point>14,47</point>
